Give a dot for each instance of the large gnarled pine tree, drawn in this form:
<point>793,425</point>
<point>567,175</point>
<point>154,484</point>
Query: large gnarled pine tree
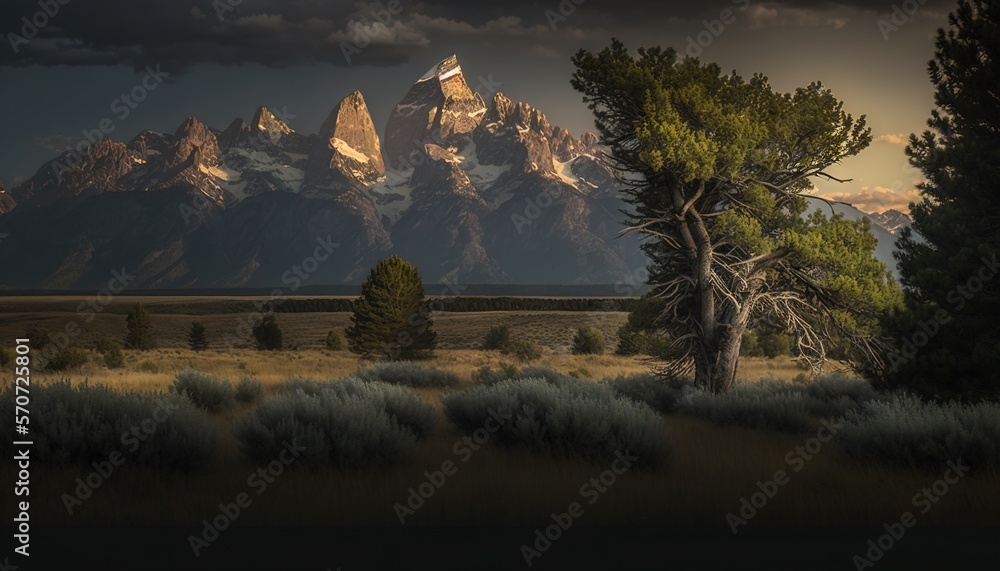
<point>717,168</point>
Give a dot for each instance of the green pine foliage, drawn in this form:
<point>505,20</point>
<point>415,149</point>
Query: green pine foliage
<point>197,340</point>
<point>639,335</point>
<point>391,320</point>
<point>947,344</point>
<point>139,329</point>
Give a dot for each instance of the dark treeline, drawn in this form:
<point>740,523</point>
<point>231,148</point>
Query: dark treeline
<point>466,304</point>
<point>208,306</point>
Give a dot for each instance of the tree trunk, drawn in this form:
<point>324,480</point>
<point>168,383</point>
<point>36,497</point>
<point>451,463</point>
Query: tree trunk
<point>716,368</point>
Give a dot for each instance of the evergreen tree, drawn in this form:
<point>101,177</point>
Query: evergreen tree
<point>948,341</point>
<point>196,337</point>
<point>267,333</point>
<point>719,169</point>
<point>139,333</point>
<point>391,320</point>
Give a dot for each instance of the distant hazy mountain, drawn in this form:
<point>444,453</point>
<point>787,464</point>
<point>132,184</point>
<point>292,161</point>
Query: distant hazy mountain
<point>469,190</point>
<point>886,239</point>
<point>892,220</point>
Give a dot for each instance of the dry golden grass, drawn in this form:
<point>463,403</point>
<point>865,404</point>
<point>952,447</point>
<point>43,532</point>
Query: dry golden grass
<point>155,370</point>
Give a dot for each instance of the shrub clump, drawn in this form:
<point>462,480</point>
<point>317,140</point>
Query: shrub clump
<point>759,409</point>
<point>103,344</point>
<point>488,375</point>
<point>496,338</point>
<point>836,395</point>
<point>523,350</point>
<point>399,402</point>
<point>267,334</point>
<point>249,390</point>
<point>350,424</point>
<point>114,358</point>
<point>660,394</point>
<point>208,392</point>
<point>408,374</point>
<point>575,419</point>
<point>905,432</point>
<point>56,355</point>
<point>588,341</point>
<point>71,356</point>
<point>333,341</point>
<point>86,423</point>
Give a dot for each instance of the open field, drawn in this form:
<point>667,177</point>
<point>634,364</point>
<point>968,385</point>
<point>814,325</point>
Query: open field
<point>711,470</point>
<point>712,467</point>
<point>228,323</point>
<point>156,369</point>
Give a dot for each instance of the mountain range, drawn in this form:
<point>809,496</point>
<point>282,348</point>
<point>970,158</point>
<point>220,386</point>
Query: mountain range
<point>470,190</point>
<point>891,220</point>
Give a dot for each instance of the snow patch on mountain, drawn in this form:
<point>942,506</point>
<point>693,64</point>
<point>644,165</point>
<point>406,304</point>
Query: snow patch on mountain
<point>345,149</point>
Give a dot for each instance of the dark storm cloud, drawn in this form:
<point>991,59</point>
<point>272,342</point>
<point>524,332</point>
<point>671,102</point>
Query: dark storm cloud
<point>178,34</point>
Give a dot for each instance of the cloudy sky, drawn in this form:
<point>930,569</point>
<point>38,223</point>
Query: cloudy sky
<point>66,72</point>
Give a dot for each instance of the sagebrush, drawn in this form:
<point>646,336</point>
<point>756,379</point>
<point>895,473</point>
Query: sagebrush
<point>905,432</point>
<point>408,374</point>
<point>86,423</point>
<point>576,419</point>
<point>208,392</point>
<point>349,424</point>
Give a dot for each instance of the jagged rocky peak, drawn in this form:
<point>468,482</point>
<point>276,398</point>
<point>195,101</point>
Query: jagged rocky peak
<point>441,175</point>
<point>100,168</point>
<point>504,112</point>
<point>265,121</point>
<point>348,144</point>
<point>193,141</point>
<point>439,108</point>
<point>149,144</point>
<point>237,132</point>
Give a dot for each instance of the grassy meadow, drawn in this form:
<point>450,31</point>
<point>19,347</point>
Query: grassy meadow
<point>712,467</point>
